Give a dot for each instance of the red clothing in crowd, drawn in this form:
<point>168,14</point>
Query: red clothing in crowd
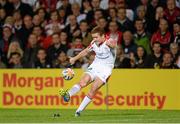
<point>6,46</point>
<point>163,39</point>
<point>47,42</point>
<point>49,4</point>
<point>172,17</point>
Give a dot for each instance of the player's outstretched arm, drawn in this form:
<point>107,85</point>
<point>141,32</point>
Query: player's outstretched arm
<point>83,53</point>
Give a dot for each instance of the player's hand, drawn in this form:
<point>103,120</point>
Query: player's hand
<point>72,60</point>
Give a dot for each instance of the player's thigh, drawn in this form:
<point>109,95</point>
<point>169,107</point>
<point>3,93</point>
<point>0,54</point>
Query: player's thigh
<point>97,84</point>
<point>85,80</point>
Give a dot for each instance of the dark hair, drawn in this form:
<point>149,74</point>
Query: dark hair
<point>138,19</point>
<point>140,46</point>
<point>168,53</point>
<point>156,43</point>
<point>102,18</point>
<point>42,8</point>
<point>38,26</point>
<point>55,34</point>
<point>113,9</point>
<point>177,22</point>
<point>41,49</point>
<point>83,21</point>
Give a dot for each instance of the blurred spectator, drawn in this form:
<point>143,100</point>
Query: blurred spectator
<point>31,51</point>
<point>132,60</point>
<point>24,8</point>
<point>54,25</point>
<point>159,13</point>
<point>122,4</point>
<point>56,47</point>
<point>72,29</point>
<point>18,22</point>
<point>64,39</point>
<point>141,37</point>
<point>41,12</point>
<point>167,61</point>
<point>85,34</point>
<point>123,22</point>
<point>42,60</point>
<point>66,6</point>
<point>112,14</point>
<point>38,31</point>
<point>76,11</point>
<point>60,2</point>
<point>114,32</point>
<point>174,50</point>
<point>15,60</point>
<point>150,15</point>
<point>154,60</point>
<point>50,5</point>
<point>86,6</point>
<point>7,6</point>
<point>6,39</point>
<point>95,6</point>
<point>111,4</point>
<point>76,47</point>
<point>128,43</point>
<point>36,20</point>
<point>32,3</point>
<point>176,33</point>
<point>163,36</point>
<point>171,12</point>
<point>62,16</point>
<point>26,29</point>
<point>14,46</point>
<point>61,60</point>
<point>141,12</point>
<point>120,56</point>
<point>102,23</point>
<point>96,16</point>
<point>9,20</point>
<point>140,57</point>
<point>144,3</point>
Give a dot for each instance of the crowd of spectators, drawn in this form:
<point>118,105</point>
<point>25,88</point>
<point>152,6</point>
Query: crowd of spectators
<point>43,33</point>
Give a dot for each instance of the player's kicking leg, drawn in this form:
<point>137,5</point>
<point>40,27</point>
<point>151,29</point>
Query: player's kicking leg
<point>98,83</point>
<point>66,94</point>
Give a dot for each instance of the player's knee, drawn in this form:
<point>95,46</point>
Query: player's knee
<point>82,84</point>
<point>90,95</point>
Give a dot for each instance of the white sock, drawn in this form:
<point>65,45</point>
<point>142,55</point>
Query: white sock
<point>84,103</point>
<point>76,88</point>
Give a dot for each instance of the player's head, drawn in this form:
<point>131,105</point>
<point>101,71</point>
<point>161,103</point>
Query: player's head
<point>98,34</point>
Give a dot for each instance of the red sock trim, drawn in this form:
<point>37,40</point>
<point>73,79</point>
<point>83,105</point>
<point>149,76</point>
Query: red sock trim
<point>89,96</point>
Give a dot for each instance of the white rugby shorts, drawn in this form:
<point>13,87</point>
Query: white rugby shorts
<point>103,72</point>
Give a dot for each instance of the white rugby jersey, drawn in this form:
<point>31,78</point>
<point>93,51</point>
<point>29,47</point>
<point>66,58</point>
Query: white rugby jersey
<point>104,54</point>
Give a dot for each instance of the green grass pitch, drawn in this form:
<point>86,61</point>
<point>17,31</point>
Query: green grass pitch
<point>88,116</point>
